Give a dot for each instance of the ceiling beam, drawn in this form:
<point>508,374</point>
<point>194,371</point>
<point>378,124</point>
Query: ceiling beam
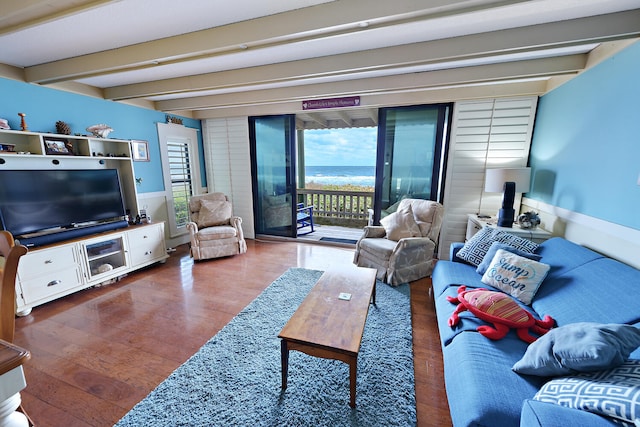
<point>426,96</point>
<point>310,117</point>
<point>373,117</point>
<point>19,15</point>
<point>451,77</point>
<point>525,39</point>
<point>323,20</point>
<point>345,118</point>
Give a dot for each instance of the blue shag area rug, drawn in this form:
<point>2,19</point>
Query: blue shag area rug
<point>235,378</point>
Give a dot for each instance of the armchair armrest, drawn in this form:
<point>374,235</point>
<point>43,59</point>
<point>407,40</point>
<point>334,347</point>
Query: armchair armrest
<point>236,222</point>
<point>375,231</point>
<point>192,227</point>
<point>370,216</point>
<point>300,207</point>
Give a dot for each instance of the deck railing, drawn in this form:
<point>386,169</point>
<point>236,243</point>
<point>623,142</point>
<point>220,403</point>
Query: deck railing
<point>347,208</point>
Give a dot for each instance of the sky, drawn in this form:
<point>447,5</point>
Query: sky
<point>340,147</point>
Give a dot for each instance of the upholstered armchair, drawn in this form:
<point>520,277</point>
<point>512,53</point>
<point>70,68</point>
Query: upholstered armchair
<point>277,211</point>
<point>214,230</point>
<point>402,248</point>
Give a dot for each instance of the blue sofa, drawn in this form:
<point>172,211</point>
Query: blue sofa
<point>482,389</point>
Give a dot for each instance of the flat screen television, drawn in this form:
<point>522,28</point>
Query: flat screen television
<point>40,201</point>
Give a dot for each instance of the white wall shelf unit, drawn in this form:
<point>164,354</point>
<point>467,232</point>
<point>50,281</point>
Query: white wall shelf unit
<point>85,152</point>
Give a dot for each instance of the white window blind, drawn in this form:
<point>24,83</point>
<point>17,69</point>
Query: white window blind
<point>180,173</point>
<point>181,180</point>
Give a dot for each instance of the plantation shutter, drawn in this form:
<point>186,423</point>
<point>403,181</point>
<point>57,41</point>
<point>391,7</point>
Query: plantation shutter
<point>181,184</point>
<point>228,165</point>
<point>490,133</point>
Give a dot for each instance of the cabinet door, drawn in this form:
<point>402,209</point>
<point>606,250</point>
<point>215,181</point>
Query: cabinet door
<point>146,244</point>
<point>106,257</point>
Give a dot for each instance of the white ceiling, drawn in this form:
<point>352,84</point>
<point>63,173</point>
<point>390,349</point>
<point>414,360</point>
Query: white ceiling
<point>211,58</point>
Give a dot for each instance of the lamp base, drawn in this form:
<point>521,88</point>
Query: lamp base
<point>506,217</point>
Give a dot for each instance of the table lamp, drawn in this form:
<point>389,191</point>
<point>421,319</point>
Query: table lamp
<point>509,181</point>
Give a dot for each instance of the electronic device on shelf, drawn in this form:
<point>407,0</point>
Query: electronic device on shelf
<point>45,206</point>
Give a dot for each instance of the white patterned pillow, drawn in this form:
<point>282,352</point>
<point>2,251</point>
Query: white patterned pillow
<point>515,275</point>
<point>613,393</point>
<point>476,248</point>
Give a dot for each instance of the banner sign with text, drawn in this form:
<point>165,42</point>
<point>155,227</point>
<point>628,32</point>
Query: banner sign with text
<point>348,101</point>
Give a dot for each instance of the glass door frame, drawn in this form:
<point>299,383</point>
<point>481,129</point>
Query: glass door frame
<point>445,114</point>
<point>289,177</point>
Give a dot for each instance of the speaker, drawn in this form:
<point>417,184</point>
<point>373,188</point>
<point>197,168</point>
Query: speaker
<point>506,215</point>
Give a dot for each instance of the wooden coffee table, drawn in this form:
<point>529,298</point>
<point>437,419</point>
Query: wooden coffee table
<point>329,327</point>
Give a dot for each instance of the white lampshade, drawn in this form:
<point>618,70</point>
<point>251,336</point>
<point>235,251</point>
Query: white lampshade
<point>495,179</point>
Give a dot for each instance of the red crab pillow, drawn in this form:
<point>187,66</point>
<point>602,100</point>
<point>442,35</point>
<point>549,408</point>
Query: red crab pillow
<point>500,310</point>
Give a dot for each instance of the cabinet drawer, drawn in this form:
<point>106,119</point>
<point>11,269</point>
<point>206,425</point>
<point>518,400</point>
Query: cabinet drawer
<point>46,262</point>
<point>146,244</point>
<point>143,253</point>
<point>142,236</point>
<point>46,286</point>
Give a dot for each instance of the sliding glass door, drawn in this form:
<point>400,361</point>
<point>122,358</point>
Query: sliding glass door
<point>410,154</point>
<point>273,174</point>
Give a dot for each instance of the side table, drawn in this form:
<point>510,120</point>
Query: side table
<point>475,224</point>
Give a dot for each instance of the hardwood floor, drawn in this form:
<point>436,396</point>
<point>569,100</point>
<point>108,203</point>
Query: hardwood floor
<point>98,352</point>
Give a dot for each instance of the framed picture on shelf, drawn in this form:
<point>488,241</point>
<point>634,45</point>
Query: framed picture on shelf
<point>140,150</point>
<point>57,146</point>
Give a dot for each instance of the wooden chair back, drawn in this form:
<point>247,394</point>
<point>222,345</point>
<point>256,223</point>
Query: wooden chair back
<point>11,253</point>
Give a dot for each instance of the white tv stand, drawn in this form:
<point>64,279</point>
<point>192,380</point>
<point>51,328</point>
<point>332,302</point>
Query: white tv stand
<point>50,272</point>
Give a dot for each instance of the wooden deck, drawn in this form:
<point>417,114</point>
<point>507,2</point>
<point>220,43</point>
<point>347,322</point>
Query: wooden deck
<point>332,231</point>
<point>326,231</point>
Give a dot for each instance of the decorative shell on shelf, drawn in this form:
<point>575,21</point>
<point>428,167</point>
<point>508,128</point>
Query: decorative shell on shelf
<point>100,130</point>
<point>62,128</point>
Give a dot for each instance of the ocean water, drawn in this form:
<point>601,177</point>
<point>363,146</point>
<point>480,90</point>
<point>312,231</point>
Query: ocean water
<point>341,175</point>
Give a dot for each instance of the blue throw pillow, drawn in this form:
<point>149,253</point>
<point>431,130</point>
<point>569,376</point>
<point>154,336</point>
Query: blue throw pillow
<point>482,267</point>
<point>579,347</point>
<point>613,393</point>
<point>475,248</point>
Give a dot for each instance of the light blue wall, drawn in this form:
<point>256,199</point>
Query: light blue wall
<point>44,106</point>
<point>585,154</point>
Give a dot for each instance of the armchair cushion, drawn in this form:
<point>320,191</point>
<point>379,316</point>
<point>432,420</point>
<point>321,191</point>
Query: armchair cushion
<point>401,224</point>
<point>214,212</point>
<point>216,233</point>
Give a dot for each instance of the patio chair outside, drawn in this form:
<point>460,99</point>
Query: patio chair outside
<point>304,218</point>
